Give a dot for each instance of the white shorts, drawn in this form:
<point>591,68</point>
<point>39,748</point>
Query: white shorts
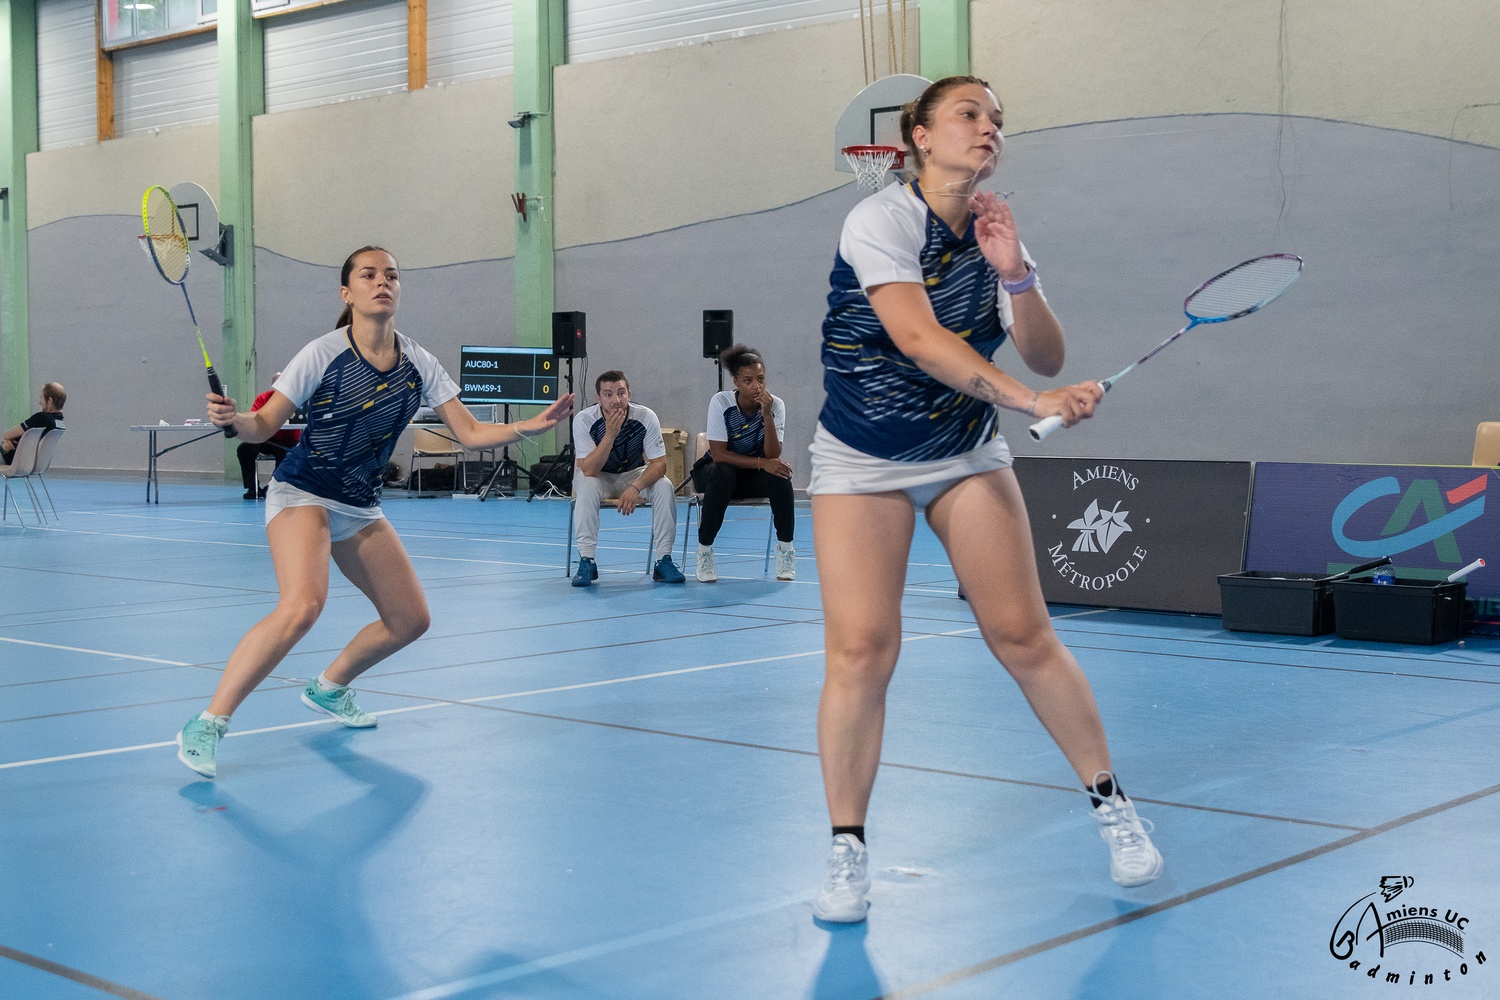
<point>344,520</point>
<point>841,470</point>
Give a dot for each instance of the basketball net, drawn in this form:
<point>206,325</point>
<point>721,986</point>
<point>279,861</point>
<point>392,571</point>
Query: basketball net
<point>871,163</point>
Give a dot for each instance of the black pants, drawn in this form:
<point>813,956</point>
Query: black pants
<point>248,453</point>
<point>720,482</point>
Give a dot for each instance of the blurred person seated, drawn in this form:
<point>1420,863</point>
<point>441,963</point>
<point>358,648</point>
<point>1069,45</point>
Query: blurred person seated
<point>744,460</point>
<point>50,417</point>
<point>276,447</point>
<point>621,456</point>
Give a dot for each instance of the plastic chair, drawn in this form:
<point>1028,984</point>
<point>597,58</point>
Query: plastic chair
<point>431,444</point>
<point>1487,443</point>
<point>50,440</point>
<point>23,466</point>
<point>695,499</point>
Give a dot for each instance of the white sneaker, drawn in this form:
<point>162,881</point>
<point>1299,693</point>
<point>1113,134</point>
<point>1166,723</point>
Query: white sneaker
<point>706,572</point>
<point>1133,859</point>
<point>786,561</point>
<point>841,900</point>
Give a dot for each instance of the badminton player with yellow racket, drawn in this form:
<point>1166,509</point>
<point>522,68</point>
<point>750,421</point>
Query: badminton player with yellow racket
<point>167,243</point>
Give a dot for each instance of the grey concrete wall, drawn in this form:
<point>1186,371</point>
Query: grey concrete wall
<point>1383,353</point>
<point>106,325</point>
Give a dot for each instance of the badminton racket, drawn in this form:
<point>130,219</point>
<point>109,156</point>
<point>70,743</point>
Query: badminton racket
<point>167,243</point>
<point>1239,291</point>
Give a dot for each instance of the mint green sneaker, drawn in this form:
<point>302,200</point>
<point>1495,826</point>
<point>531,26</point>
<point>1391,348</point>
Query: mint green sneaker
<point>339,704</point>
<point>198,745</point>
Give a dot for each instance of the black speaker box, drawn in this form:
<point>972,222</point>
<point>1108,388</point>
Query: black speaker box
<point>569,335</point>
<point>718,331</point>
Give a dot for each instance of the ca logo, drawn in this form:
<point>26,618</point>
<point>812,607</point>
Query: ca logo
<point>1424,493</point>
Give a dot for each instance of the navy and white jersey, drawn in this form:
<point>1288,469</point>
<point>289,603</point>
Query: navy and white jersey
<point>744,435</point>
<point>638,442</point>
<point>355,414</point>
<point>879,402</point>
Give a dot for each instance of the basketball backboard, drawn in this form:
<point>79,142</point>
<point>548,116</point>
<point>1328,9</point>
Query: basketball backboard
<point>200,219</point>
<point>873,118</point>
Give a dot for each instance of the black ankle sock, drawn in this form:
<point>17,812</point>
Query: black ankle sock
<point>858,831</point>
<point>1103,790</point>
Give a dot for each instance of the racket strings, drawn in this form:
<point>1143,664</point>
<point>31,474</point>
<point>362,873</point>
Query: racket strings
<point>165,236</point>
<point>1244,288</point>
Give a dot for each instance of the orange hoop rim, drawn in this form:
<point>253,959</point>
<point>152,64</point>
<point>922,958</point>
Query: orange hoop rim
<point>898,157</point>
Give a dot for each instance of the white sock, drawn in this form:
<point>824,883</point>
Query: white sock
<point>327,685</point>
<point>784,546</point>
<point>208,716</point>
<point>705,548</point>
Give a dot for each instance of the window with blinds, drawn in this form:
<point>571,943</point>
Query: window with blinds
<point>604,29</point>
<point>166,85</point>
<point>335,53</point>
<point>469,40</point>
<point>66,89</point>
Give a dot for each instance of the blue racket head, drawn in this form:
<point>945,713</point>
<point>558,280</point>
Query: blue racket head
<point>1243,289</point>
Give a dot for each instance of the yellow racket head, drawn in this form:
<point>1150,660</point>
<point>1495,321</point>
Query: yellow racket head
<point>165,237</point>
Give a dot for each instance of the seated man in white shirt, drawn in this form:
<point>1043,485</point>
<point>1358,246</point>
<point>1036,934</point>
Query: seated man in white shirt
<point>620,455</point>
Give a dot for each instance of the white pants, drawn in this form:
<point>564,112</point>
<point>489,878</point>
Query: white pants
<point>589,490</point>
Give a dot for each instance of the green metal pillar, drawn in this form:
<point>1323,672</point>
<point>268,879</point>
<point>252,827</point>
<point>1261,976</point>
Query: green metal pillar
<point>18,136</point>
<point>945,38</point>
<point>540,35</point>
<point>540,28</point>
<point>242,96</point>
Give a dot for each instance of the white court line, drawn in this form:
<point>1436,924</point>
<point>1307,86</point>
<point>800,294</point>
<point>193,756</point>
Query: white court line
<point>262,545</point>
<point>587,952</point>
<point>427,706</point>
<point>96,652</point>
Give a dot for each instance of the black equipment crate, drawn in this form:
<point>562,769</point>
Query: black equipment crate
<point>1416,612</point>
<point>1286,603</point>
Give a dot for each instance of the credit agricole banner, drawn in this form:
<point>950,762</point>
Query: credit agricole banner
<point>1430,519</point>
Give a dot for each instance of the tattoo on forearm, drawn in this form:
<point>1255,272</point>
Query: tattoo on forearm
<point>981,388</point>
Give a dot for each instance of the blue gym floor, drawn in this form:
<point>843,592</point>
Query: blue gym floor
<point>615,792</point>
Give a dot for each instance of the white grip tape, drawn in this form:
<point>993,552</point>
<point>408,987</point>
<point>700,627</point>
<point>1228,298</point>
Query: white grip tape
<point>1042,429</point>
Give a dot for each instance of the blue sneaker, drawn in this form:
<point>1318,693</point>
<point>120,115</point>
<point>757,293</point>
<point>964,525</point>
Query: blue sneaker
<point>666,571</point>
<point>587,572</point>
<point>338,703</point>
<point>198,745</point>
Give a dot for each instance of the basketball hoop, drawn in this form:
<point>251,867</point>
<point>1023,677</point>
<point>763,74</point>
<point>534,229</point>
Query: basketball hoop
<point>870,164</point>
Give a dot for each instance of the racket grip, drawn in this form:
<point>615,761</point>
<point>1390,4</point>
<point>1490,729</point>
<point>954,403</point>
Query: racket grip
<point>1043,429</point>
<point>217,387</point>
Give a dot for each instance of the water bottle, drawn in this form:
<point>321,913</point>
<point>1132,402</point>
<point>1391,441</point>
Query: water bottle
<point>1384,576</point>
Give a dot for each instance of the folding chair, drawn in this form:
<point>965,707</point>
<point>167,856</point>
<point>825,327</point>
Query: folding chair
<point>695,499</point>
<point>50,440</point>
<point>431,444</point>
<point>642,504</point>
<point>261,461</point>
<point>23,466</point>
